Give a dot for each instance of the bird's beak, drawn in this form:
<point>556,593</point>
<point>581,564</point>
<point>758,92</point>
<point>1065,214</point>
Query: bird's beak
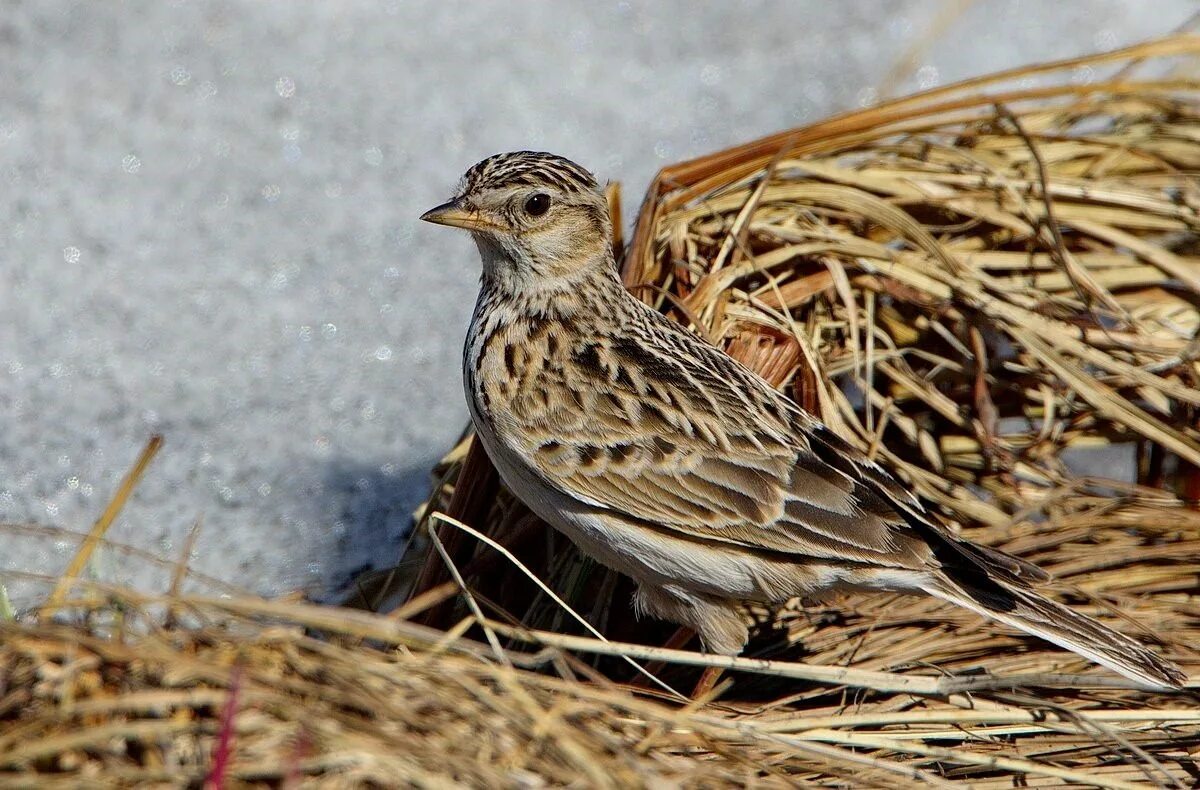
<point>452,213</point>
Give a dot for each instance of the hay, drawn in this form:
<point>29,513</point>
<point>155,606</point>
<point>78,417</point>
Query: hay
<point>291,692</point>
<point>372,701</point>
<point>989,287</point>
<point>977,285</point>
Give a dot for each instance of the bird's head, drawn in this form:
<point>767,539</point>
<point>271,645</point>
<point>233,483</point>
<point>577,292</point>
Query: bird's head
<point>540,221</point>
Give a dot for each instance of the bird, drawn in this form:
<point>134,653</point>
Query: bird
<point>665,459</point>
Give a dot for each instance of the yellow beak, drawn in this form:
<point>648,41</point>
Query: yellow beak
<point>454,215</point>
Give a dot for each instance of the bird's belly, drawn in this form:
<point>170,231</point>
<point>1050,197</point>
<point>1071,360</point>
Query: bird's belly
<point>649,555</point>
<point>655,556</point>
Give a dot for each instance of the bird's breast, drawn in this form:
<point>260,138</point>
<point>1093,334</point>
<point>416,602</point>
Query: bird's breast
<point>518,372</point>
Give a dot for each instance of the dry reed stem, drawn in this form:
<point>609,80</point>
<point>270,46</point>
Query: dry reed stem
<point>102,524</point>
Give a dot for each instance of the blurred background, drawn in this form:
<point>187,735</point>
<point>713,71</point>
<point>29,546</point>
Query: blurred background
<point>208,228</point>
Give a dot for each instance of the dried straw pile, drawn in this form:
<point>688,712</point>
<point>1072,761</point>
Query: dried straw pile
<point>989,287</point>
<point>244,697</point>
<point>976,285</point>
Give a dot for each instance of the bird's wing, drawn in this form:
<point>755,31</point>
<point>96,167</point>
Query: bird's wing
<point>666,429</point>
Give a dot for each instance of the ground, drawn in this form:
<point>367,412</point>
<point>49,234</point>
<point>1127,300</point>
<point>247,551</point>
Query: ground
<point>208,229</point>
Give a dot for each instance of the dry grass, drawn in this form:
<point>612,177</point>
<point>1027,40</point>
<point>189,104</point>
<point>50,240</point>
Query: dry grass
<point>978,285</point>
<point>301,693</point>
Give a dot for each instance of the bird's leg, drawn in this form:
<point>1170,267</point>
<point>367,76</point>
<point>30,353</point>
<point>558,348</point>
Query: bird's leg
<point>678,640</point>
<point>707,682</point>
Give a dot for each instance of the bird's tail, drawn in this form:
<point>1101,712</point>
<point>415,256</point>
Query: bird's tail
<point>1024,609</point>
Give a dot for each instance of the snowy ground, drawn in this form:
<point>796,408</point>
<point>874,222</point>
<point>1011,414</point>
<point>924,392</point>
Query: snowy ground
<point>208,228</point>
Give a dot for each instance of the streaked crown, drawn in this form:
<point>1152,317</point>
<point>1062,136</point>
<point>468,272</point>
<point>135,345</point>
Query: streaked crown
<point>527,169</point>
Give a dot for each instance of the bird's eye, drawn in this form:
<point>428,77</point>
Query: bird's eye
<point>537,205</point>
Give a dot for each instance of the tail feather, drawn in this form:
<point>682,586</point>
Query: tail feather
<point>1029,612</point>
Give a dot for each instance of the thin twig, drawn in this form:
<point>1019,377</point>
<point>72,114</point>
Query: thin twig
<point>550,593</point>
<point>462,586</point>
<point>84,553</point>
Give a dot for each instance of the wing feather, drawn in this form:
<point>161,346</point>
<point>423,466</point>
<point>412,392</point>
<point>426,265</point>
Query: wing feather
<point>674,433</point>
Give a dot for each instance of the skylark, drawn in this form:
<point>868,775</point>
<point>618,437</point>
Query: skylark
<point>667,460</point>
